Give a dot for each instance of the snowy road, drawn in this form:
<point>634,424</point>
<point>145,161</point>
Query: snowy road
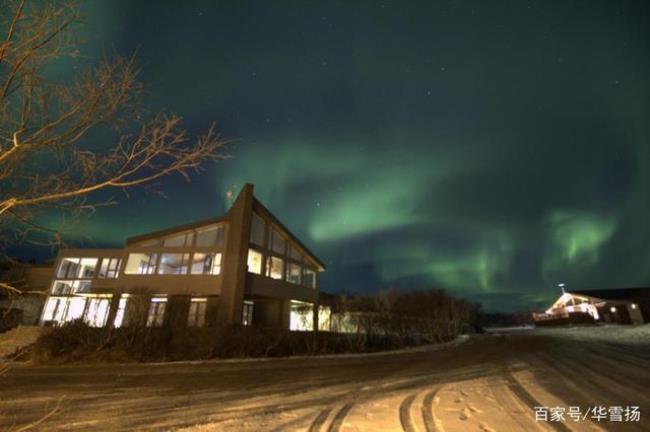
<point>490,383</point>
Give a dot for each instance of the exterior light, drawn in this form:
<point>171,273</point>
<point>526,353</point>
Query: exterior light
<point>633,305</point>
<point>612,309</point>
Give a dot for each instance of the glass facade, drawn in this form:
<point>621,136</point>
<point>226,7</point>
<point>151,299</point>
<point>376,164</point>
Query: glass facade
<point>206,263</point>
<point>175,263</point>
<point>247,313</point>
<point>258,231</point>
<point>254,261</point>
<point>156,312</point>
<point>109,268</point>
<point>274,267</point>
<point>196,315</point>
<point>210,237</point>
<point>141,263</point>
<point>294,273</point>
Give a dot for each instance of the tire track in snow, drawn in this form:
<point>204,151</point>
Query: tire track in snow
<point>340,416</point>
<point>522,394</point>
<point>427,411</point>
<point>405,415</point>
<point>320,419</point>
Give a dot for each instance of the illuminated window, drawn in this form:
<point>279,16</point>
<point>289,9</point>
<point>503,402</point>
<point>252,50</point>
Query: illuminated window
<point>77,268</point>
<point>206,263</point>
<point>274,267</point>
<point>121,309</point>
<point>293,273</point>
<point>196,316</point>
<point>310,278</point>
<point>75,308</point>
<point>181,240</point>
<point>67,287</point>
<point>278,243</point>
<point>97,312</point>
<point>68,268</point>
<point>110,268</point>
<point>156,312</point>
<point>141,263</point>
<point>54,309</point>
<point>254,261</point>
<point>174,263</point>
<point>258,230</point>
<point>210,237</point>
<point>247,313</point>
<point>301,317</point>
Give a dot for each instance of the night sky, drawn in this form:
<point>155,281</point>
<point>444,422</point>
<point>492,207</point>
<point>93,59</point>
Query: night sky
<point>494,149</point>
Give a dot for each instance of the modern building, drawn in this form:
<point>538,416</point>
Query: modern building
<point>243,268</point>
<point>616,306</point>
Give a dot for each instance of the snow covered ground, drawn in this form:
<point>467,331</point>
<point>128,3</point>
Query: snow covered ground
<point>492,382</point>
<point>624,334</point>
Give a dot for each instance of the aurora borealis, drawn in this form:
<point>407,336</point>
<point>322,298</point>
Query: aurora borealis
<point>493,149</point>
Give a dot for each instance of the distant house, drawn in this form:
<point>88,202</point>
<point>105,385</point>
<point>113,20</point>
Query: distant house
<point>616,306</point>
<point>243,268</point>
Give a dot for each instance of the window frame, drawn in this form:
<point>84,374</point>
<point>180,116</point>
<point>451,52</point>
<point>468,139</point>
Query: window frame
<point>196,317</point>
<point>156,312</point>
<point>269,266</point>
<point>185,263</point>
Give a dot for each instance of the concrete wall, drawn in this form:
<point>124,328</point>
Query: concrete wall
<point>257,285</point>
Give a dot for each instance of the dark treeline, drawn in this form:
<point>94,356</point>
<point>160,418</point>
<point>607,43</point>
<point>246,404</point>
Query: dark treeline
<point>420,316</point>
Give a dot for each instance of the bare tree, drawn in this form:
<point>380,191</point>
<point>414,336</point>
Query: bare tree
<point>63,142</point>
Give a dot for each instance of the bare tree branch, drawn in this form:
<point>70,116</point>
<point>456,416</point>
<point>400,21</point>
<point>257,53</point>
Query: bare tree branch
<point>63,143</point>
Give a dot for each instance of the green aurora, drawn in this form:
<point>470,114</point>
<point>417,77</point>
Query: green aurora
<point>493,149</point>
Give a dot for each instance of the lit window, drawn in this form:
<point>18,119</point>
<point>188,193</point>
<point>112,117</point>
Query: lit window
<point>87,269</point>
<point>258,230</point>
<point>310,278</point>
<point>75,308</point>
<point>301,317</point>
<point>67,287</point>
<point>210,237</point>
<point>247,313</point>
<point>196,316</point>
<point>278,243</point>
<point>141,263</point>
<point>97,311</point>
<point>68,268</point>
<point>62,287</point>
<point>121,310</point>
<point>293,273</point>
<point>206,263</point>
<point>109,268</point>
<point>182,240</point>
<point>156,312</point>
<point>274,267</point>
<point>174,264</point>
<point>54,309</point>
<point>73,268</point>
<point>254,261</point>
